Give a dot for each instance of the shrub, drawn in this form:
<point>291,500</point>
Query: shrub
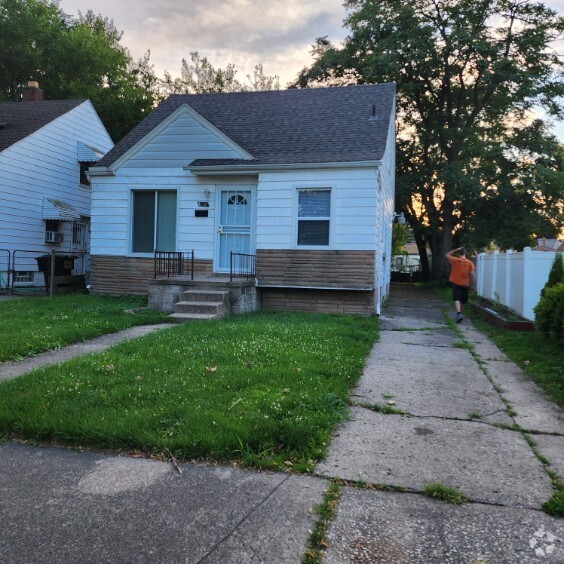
<point>556,274</point>
<point>549,312</point>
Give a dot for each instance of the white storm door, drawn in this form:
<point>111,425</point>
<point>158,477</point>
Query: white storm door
<point>234,227</point>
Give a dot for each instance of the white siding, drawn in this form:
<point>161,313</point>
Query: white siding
<point>45,164</point>
<point>182,141</point>
<point>385,211</point>
<point>111,209</point>
<point>353,203</point>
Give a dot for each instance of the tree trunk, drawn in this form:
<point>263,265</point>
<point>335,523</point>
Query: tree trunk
<point>441,244</point>
<point>423,256</point>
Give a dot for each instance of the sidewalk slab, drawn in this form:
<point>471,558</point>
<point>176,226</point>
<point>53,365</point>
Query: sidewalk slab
<point>534,410</point>
<point>488,351</point>
<point>552,448</point>
<point>425,381</point>
<point>382,527</point>
<point>389,323</point>
<point>423,313</point>
<point>57,505</point>
<point>12,369</point>
<point>470,333</point>
<point>436,337</point>
<point>485,463</point>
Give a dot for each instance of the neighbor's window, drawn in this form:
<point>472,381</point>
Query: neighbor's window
<point>79,234</point>
<point>154,221</point>
<point>314,212</point>
<point>23,276</point>
<point>83,178</point>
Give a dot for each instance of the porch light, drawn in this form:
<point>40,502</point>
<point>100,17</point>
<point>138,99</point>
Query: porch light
<point>207,194</point>
<point>399,218</point>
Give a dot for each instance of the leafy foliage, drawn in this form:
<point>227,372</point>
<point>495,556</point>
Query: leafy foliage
<point>556,274</point>
<point>200,77</point>
<point>549,312</point>
<point>473,166</point>
<point>400,236</point>
<point>74,58</point>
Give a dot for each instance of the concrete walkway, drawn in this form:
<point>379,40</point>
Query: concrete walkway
<point>58,505</point>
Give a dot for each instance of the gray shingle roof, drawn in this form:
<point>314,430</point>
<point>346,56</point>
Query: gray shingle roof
<point>313,125</point>
<point>20,119</point>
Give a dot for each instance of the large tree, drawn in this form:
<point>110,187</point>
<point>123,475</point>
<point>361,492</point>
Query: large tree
<point>200,77</point>
<point>475,164</point>
<point>74,58</point>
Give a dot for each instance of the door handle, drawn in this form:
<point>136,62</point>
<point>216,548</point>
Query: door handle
<point>220,229</point>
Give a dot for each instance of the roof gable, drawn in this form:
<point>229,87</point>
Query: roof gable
<point>314,125</point>
<point>188,118</point>
<point>18,120</point>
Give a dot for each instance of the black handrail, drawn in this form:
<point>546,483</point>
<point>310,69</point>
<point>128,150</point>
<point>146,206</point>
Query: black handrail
<point>172,263</point>
<point>242,265</point>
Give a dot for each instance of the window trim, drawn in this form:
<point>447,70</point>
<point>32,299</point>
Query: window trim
<point>331,218</point>
<point>155,190</point>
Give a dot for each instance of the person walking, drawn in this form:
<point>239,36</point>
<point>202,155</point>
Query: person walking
<point>462,276</point>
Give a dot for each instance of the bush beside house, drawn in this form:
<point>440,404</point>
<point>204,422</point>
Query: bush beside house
<point>549,312</point>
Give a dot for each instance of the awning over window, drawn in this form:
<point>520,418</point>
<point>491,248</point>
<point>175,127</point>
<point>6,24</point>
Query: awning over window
<point>57,209</point>
<point>87,154</point>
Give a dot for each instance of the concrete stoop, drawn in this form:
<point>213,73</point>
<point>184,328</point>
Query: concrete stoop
<point>200,304</point>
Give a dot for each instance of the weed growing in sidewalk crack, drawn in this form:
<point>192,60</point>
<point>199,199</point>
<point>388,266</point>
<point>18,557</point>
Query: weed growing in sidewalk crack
<point>384,409</point>
<point>326,511</point>
<point>444,493</point>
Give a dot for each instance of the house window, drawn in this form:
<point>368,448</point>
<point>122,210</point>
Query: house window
<point>84,181</point>
<point>314,213</point>
<point>79,234</point>
<point>154,221</point>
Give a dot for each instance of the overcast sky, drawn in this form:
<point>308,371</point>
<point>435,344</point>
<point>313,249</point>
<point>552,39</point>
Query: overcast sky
<point>244,32</point>
<point>278,34</point>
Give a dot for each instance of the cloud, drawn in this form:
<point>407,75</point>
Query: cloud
<point>244,32</point>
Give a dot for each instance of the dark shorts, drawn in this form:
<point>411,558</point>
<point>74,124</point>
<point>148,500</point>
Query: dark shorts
<point>460,293</point>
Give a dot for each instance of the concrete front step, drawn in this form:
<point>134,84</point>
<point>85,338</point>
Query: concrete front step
<point>185,317</point>
<point>212,308</point>
<point>205,296</point>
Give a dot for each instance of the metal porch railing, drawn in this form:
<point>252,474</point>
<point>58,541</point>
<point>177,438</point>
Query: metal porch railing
<point>169,263</point>
<point>242,266</point>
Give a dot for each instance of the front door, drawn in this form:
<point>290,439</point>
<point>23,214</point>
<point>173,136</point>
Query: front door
<point>234,225</point>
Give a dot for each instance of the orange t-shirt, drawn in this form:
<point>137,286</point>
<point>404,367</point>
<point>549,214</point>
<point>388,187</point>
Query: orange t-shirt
<point>460,270</point>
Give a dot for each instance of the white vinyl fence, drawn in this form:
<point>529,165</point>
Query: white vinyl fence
<point>514,279</point>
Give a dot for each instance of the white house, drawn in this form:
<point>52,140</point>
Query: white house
<point>301,179</point>
<point>45,148</point>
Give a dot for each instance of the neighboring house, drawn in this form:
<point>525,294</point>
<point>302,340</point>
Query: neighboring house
<point>549,245</point>
<point>304,179</point>
<point>45,195</point>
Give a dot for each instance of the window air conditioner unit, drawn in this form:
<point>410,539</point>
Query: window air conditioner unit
<point>54,237</point>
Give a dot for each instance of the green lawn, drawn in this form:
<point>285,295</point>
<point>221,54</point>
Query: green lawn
<point>266,389</point>
<point>32,325</point>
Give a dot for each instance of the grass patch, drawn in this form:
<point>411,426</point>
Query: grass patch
<point>444,493</point>
<point>540,358</point>
<point>265,389</point>
<point>555,505</point>
<point>33,325</point>
<point>326,511</point>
